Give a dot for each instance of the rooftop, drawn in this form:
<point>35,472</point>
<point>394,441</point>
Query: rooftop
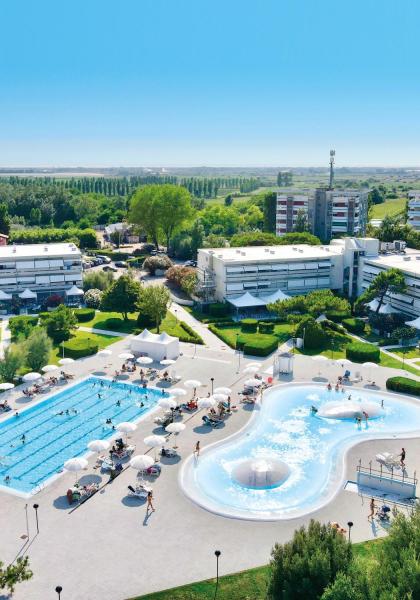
<point>408,262</point>
<point>38,250</point>
<point>270,253</point>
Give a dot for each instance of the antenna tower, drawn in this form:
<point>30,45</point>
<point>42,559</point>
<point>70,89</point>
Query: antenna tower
<point>332,160</point>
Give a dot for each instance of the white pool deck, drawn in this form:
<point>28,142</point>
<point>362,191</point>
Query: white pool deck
<point>109,547</point>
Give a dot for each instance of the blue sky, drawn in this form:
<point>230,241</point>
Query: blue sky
<point>200,82</point>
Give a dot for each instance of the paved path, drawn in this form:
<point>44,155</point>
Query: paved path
<point>210,339</point>
<point>103,331</point>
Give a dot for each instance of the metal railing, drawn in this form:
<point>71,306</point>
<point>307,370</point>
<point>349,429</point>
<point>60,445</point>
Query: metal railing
<point>388,473</point>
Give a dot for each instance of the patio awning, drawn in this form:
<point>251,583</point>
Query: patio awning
<point>386,309</point>
<point>415,323</point>
<point>74,291</point>
<point>4,296</point>
<point>277,295</point>
<point>247,300</point>
<point>28,294</point>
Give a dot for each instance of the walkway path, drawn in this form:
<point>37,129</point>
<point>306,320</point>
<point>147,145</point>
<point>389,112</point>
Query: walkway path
<point>5,336</point>
<point>104,331</point>
<point>210,339</point>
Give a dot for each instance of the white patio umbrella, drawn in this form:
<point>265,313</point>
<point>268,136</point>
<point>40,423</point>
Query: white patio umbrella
<point>219,397</point>
<point>370,366</point>
<point>192,384</point>
<point>176,429</point>
<point>177,392</point>
<point>167,361</point>
<point>6,386</point>
<point>31,377</point>
<point>126,356</point>
<point>344,361</point>
<point>250,370</point>
<point>98,445</point>
<point>141,462</point>
<point>167,403</point>
<point>144,360</point>
<point>205,403</point>
<point>104,353</point>
<point>155,441</point>
<point>66,361</point>
<point>49,368</point>
<point>126,427</point>
<point>253,383</point>
<point>75,465</point>
<point>321,359</point>
<point>223,390</point>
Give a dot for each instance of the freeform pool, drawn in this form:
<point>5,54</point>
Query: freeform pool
<point>298,451</point>
<point>52,436</point>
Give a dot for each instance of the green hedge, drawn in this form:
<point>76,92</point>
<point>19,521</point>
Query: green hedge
<point>112,255</point>
<point>336,315</point>
<point>361,352</point>
<point>265,327</point>
<point>84,314</point>
<point>22,325</point>
<point>191,335</point>
<point>327,324</point>
<point>218,330</point>
<point>77,348</point>
<point>261,345</point>
<point>219,309</point>
<point>293,318</point>
<point>403,384</point>
<point>249,325</point>
<point>354,324</point>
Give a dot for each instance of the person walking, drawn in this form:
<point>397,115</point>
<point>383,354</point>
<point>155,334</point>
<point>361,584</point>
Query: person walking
<point>402,457</point>
<point>150,501</point>
<point>197,449</point>
<point>372,509</point>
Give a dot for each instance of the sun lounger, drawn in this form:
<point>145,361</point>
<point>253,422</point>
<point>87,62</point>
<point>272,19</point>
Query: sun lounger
<point>139,491</point>
<point>211,422</point>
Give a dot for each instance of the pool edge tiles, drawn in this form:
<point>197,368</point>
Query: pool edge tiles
<point>190,479</point>
<point>86,427</point>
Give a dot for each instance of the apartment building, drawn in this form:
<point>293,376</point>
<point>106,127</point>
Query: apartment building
<point>289,205</point>
<point>35,271</point>
<point>414,209</point>
<point>338,212</point>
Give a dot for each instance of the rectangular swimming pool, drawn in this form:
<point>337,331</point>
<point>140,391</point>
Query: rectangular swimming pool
<point>61,426</point>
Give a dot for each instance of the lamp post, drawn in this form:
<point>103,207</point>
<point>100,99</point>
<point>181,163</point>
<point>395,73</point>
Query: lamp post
<point>350,525</point>
<point>36,506</point>
<point>212,384</point>
<point>217,553</point>
<point>59,589</point>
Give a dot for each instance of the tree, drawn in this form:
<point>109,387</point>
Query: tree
<point>253,218</point>
<point>99,280</point>
<point>145,212</point>
<point>154,302</point>
<point>375,197</point>
<point>229,200</point>
<point>14,573</point>
<point>304,567</point>
<point>93,298</point>
<point>122,296</point>
<point>301,223</point>
<point>386,282</point>
<point>348,587</point>
<point>312,333</point>
<point>270,212</point>
<point>14,359</point>
<point>38,347</point>
<point>60,323</point>
<point>4,219</point>
<point>279,178</point>
<point>157,263</point>
<point>197,237</point>
<point>315,303</point>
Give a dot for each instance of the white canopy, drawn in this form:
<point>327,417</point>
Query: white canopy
<point>28,294</point>
<point>277,295</point>
<point>247,300</point>
<point>157,346</point>
<point>386,309</point>
<point>4,296</point>
<point>74,291</point>
<point>415,323</point>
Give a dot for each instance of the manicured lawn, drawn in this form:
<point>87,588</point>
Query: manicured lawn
<point>250,584</point>
<point>394,363</point>
<point>283,332</point>
<point>102,340</point>
<point>388,208</point>
<point>335,347</point>
<point>113,321</point>
<point>407,351</point>
<point>171,326</point>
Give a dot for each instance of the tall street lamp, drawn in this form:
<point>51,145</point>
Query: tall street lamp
<point>350,525</point>
<point>212,384</point>
<point>59,589</point>
<point>36,506</point>
<point>217,553</point>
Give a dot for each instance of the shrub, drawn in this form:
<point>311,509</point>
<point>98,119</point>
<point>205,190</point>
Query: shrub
<point>337,315</point>
<point>403,384</point>
<point>145,321</point>
<point>405,333</point>
<point>249,325</point>
<point>98,280</point>
<point>313,334</point>
<point>190,335</point>
<point>294,318</point>
<point>327,324</point>
<point>77,348</point>
<point>154,263</point>
<point>354,325</point>
<point>84,314</point>
<point>113,324</point>
<point>241,341</point>
<point>266,327</point>
<point>220,333</point>
<point>219,309</point>
<point>22,326</point>
<point>261,345</point>
<point>361,352</point>
<point>43,316</point>
<point>93,298</point>
<point>53,301</point>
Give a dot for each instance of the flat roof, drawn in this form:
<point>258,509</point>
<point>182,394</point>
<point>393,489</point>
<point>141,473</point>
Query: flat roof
<point>270,253</point>
<point>408,262</point>
<point>38,250</point>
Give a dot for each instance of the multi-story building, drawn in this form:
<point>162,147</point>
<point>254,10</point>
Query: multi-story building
<point>34,272</point>
<point>340,212</point>
<point>289,205</point>
<point>414,209</point>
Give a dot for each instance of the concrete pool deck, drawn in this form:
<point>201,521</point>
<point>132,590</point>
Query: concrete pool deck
<point>110,548</point>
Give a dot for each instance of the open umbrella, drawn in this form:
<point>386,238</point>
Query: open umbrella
<point>104,353</point>
<point>75,465</point>
<point>6,386</point>
<point>178,392</point>
<point>155,441</point>
<point>66,361</point>
<point>31,377</point>
<point>126,356</point>
<point>206,403</point>
<point>126,427</point>
<point>192,384</point>
<point>167,361</point>
<point>223,390</point>
<point>253,383</point>
<point>320,359</point>
<point>344,361</point>
<point>98,445</point>
<point>219,397</point>
<point>144,360</point>
<point>49,368</point>
<point>176,429</point>
<point>370,366</point>
<point>167,403</point>
<point>141,462</point>
<point>251,370</point>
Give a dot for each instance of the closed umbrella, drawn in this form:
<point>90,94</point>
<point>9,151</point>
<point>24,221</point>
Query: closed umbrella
<point>126,356</point>
<point>167,403</point>
<point>144,360</point>
<point>75,465</point>
<point>6,386</point>
<point>253,383</point>
<point>155,441</point>
<point>104,353</point>
<point>177,392</point>
<point>31,377</point>
<point>66,361</point>
<point>49,368</point>
<point>176,429</point>
<point>205,403</point>
<point>223,390</point>
<point>98,445</point>
<point>167,361</point>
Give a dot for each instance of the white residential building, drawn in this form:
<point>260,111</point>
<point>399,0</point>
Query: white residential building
<point>289,204</point>
<point>414,209</point>
<point>35,271</point>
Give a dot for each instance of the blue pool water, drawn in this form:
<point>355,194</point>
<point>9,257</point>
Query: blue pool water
<point>310,445</point>
<point>51,439</point>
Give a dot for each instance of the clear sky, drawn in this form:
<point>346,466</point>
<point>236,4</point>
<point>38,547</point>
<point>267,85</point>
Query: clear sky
<point>209,82</point>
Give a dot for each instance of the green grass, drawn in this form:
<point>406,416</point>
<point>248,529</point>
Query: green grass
<point>407,351</point>
<point>102,340</point>
<point>250,584</point>
<point>389,208</point>
<point>394,363</point>
<point>283,332</point>
<point>334,348</point>
<point>102,321</point>
<point>171,326</point>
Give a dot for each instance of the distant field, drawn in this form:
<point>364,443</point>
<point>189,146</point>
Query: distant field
<point>388,208</point>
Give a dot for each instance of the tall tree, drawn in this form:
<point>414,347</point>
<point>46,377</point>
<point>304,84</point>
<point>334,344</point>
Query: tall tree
<point>154,302</point>
<point>13,360</point>
<point>386,282</point>
<point>4,219</point>
<point>301,223</point>
<point>122,296</point>
<point>145,212</point>
<point>38,347</point>
<point>279,178</point>
<point>60,323</point>
<point>14,573</point>
<point>174,208</point>
<point>270,210</point>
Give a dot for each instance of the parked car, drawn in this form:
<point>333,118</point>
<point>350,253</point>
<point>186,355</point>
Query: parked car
<point>109,268</point>
<point>105,259</point>
<point>121,264</point>
<point>190,263</point>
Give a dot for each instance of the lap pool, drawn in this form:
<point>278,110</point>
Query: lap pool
<point>61,426</point>
<point>288,460</point>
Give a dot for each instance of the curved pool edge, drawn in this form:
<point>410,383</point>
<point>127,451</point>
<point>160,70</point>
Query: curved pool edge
<point>336,486</point>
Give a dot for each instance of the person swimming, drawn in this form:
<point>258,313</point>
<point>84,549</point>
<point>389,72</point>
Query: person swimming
<point>108,421</point>
<point>23,438</point>
<point>118,403</point>
<point>314,409</point>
